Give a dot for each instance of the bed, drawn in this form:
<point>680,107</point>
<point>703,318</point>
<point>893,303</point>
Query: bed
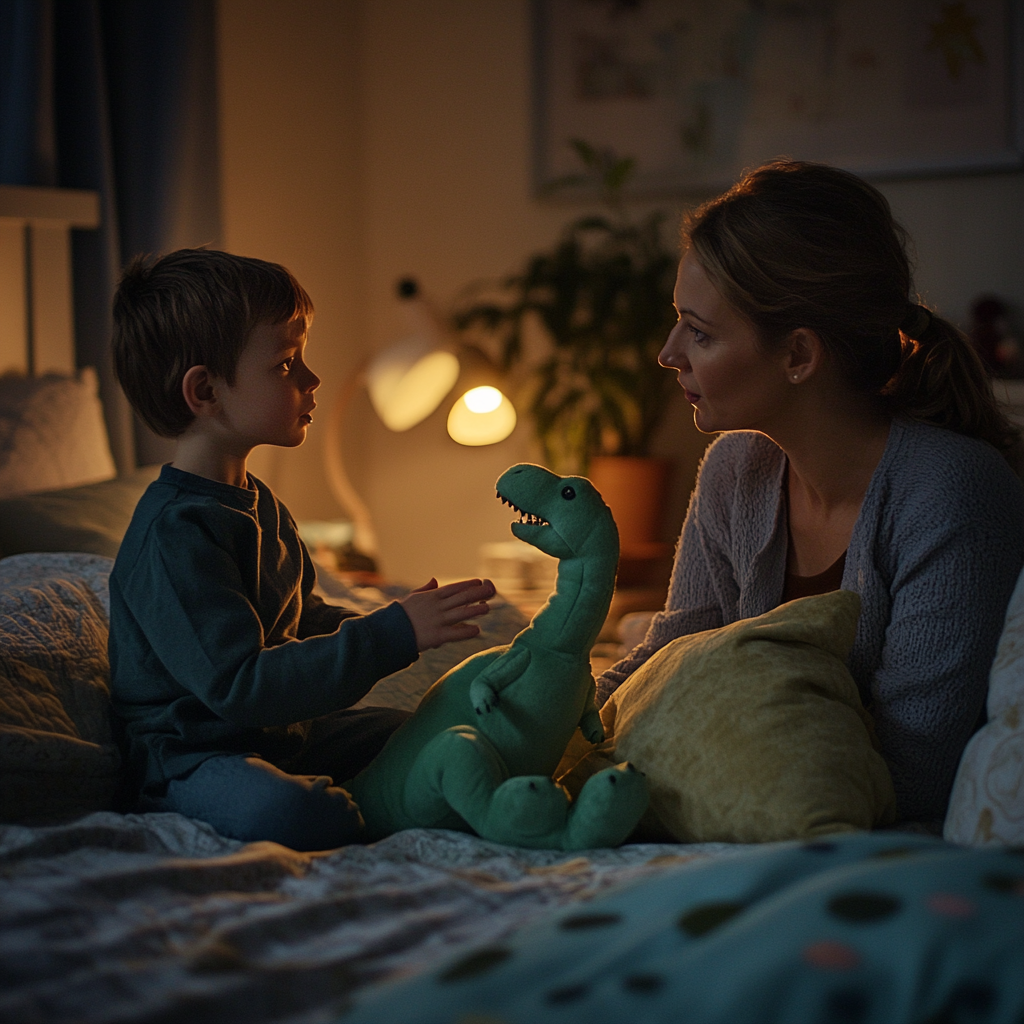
<point>114,916</point>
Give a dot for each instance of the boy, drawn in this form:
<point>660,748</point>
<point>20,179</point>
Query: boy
<point>227,673</point>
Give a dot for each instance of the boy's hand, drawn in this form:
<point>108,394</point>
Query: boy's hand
<point>438,614</point>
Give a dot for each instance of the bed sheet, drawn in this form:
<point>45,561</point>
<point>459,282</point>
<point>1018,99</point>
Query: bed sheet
<point>156,917</point>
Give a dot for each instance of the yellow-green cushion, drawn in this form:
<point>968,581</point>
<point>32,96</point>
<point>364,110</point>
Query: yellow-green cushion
<point>755,732</point>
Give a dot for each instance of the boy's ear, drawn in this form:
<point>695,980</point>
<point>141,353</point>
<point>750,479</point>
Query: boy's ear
<point>804,354</point>
<point>198,390</point>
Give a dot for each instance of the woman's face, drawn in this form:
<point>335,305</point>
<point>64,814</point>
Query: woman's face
<point>726,376</point>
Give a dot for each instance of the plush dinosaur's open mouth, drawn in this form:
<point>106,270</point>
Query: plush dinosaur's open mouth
<point>524,517</point>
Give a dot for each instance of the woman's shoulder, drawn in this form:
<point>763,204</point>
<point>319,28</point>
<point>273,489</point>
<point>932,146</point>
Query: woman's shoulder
<point>926,452</point>
<point>746,458</point>
<point>936,468</point>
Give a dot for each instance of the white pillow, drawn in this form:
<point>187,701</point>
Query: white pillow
<point>52,433</point>
<point>987,803</point>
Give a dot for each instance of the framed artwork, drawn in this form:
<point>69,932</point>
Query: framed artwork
<point>698,90</point>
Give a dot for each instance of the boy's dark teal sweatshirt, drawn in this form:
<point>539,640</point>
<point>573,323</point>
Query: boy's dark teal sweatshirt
<point>217,642</point>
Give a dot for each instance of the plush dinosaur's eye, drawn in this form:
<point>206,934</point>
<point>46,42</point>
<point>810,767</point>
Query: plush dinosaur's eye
<point>568,493</point>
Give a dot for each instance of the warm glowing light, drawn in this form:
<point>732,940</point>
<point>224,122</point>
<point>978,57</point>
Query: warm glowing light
<point>482,400</point>
<point>485,421</point>
<point>408,382</point>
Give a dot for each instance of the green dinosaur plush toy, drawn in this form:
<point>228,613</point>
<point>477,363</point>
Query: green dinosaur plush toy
<point>478,753</point>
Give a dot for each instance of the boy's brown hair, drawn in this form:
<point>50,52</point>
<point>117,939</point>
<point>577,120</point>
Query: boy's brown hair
<point>193,307</point>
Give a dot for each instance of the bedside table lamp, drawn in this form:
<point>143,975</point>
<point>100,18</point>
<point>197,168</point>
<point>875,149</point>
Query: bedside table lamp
<point>406,382</point>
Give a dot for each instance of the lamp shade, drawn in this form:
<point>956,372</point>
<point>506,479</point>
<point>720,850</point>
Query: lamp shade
<point>409,380</point>
<point>406,382</point>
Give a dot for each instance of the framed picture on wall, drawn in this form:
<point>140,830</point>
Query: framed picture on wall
<point>697,90</point>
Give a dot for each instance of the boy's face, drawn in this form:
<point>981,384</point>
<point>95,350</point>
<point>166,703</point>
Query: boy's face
<point>271,401</point>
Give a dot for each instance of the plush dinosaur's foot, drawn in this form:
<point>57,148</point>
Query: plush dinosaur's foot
<point>608,808</point>
<point>461,771</point>
<point>525,810</point>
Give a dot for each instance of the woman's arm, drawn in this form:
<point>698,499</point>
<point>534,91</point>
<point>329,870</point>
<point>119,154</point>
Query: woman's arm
<point>955,554</point>
<point>704,592</point>
<point>692,604</point>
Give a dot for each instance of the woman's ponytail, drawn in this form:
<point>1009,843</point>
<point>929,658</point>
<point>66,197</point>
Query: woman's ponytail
<point>942,380</point>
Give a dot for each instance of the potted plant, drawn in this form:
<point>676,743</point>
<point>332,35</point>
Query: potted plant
<point>603,293</point>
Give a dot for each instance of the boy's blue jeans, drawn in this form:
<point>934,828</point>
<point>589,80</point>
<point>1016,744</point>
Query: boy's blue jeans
<point>245,797</point>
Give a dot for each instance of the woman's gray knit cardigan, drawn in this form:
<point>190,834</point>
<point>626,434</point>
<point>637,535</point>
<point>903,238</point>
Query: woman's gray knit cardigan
<point>934,555</point>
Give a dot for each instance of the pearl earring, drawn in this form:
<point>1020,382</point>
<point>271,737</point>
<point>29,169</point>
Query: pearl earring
<point>796,377</point>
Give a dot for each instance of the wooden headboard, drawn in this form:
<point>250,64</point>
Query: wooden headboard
<point>36,315</point>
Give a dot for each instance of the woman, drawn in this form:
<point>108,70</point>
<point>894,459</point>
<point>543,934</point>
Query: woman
<point>864,451</point>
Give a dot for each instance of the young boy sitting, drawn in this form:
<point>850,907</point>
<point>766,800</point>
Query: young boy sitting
<point>228,673</point>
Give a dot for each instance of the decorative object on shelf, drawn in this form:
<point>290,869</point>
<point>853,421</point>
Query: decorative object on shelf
<point>604,295</point>
<point>406,382</point>
<point>994,339</point>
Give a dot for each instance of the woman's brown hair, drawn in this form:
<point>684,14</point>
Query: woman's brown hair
<point>796,245</point>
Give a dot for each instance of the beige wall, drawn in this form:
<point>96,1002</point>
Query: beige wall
<point>289,85</point>
<point>368,139</point>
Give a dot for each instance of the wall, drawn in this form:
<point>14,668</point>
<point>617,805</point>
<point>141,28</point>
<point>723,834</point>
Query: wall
<point>368,139</point>
<point>289,88</point>
<point>969,235</point>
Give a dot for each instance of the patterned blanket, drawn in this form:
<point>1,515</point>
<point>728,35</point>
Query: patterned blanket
<point>157,918</point>
<point>880,927</point>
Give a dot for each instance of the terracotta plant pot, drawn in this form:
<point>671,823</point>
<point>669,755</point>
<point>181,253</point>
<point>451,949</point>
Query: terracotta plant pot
<point>635,490</point>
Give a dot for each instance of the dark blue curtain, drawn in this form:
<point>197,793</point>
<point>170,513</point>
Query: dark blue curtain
<point>118,96</point>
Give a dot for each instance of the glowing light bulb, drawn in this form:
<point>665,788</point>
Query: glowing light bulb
<point>481,416</point>
<point>483,399</point>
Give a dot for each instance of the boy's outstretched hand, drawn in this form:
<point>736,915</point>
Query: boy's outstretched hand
<point>438,614</point>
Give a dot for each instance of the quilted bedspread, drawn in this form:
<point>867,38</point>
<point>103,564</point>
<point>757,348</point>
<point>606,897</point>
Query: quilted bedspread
<point>157,918</point>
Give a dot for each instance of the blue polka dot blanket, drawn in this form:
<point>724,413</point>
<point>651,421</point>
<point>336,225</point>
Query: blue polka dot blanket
<point>879,928</point>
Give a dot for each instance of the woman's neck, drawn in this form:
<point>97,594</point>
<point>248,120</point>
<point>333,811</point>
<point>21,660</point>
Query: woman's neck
<point>833,452</point>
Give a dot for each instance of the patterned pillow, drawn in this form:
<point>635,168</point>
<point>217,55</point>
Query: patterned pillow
<point>57,752</point>
<point>987,802</point>
<point>52,433</point>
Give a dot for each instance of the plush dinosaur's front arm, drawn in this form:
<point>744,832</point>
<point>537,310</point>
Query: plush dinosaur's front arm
<point>484,690</point>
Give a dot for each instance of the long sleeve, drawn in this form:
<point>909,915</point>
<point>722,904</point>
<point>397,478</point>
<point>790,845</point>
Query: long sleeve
<point>217,643</point>
<point>949,545</point>
<point>693,604</point>
<point>188,598</point>
<point>731,531</point>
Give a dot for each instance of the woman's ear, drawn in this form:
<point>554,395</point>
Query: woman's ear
<point>804,355</point>
<point>197,388</point>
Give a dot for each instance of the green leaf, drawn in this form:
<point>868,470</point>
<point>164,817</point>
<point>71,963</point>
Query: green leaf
<point>619,173</point>
<point>585,151</point>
